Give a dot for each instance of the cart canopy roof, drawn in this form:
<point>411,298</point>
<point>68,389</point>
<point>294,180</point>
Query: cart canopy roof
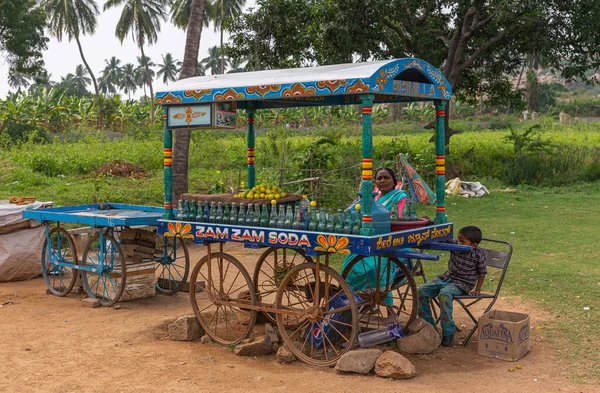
<point>398,80</point>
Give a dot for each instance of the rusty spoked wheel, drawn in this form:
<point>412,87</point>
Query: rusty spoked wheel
<point>58,252</point>
<point>271,268</point>
<point>219,289</point>
<point>323,310</point>
<point>387,289</point>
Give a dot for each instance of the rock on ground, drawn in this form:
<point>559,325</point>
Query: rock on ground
<point>271,332</point>
<point>393,365</point>
<point>284,355</point>
<point>257,346</point>
<point>205,339</point>
<point>424,341</point>
<point>360,361</point>
<point>185,328</point>
<point>417,325</point>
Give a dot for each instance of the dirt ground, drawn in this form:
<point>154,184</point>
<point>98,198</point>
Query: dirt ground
<point>52,344</point>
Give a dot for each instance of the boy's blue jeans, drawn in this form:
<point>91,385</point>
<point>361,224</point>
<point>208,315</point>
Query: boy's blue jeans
<point>445,290</point>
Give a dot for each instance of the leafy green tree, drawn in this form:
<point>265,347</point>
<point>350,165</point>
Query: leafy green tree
<point>75,18</point>
<point>533,90</point>
<point>112,74</point>
<point>144,73</point>
<point>238,66</point>
<point>128,81</point>
<point>22,39</point>
<point>225,9</point>
<point>181,9</point>
<point>169,69</point>
<point>141,19</point>
<point>18,79</point>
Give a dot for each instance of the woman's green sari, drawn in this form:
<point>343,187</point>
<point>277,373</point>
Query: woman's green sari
<point>366,271</point>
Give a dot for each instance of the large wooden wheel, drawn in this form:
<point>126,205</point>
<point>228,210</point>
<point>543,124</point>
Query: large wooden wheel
<point>172,261</point>
<point>59,249</point>
<point>387,288</point>
<point>106,272</point>
<point>323,310</point>
<point>271,268</point>
<point>219,288</point>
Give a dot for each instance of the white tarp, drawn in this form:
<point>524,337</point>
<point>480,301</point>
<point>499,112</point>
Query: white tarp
<point>21,247</point>
<point>467,189</point>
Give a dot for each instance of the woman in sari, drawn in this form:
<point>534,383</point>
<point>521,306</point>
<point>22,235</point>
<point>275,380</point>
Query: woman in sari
<point>366,272</point>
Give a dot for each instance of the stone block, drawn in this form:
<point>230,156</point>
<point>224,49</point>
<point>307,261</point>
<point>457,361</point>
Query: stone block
<point>185,328</point>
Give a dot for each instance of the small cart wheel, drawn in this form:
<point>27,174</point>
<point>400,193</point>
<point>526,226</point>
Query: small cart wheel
<point>326,324</point>
<point>106,279</point>
<point>271,268</point>
<point>222,293</point>
<point>387,288</point>
<point>172,264</point>
<point>60,279</point>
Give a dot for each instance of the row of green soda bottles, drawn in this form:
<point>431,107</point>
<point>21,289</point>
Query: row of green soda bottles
<point>302,216</point>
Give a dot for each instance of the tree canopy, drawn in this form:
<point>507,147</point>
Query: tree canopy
<point>22,38</point>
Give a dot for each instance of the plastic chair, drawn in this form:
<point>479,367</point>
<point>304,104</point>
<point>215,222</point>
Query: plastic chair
<point>494,259</point>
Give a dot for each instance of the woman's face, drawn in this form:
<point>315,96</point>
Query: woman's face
<point>384,181</point>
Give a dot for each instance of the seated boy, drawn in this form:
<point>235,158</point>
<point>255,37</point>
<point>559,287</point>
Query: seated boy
<point>466,270</point>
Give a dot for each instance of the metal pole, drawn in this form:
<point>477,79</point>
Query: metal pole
<point>367,165</point>
<point>440,163</point>
<point>250,141</point>
<point>168,168</point>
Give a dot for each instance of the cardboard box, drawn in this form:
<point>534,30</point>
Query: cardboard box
<point>504,335</point>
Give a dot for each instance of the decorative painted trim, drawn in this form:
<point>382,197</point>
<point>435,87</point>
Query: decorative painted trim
<point>440,113</point>
<point>367,218</point>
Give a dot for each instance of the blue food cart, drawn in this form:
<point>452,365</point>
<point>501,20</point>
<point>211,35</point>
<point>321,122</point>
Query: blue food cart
<point>317,312</point>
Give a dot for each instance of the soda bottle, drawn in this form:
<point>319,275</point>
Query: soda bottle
<point>186,210</point>
<point>219,215</point>
<point>226,213</point>
<point>264,216</point>
<point>357,220</point>
<point>179,215</point>
<point>242,214</point>
<point>406,211</point>
<point>380,336</point>
<point>394,212</point>
<point>206,213</point>
<point>313,223</point>
<point>297,222</point>
<point>273,218</point>
<point>192,215</point>
<point>212,217</point>
<point>233,216</point>
<point>289,217</point>
<point>256,221</point>
<point>322,227</point>
<point>199,212</point>
<point>330,227</point>
<point>339,222</point>
<point>412,209</point>
<point>347,222</point>
<point>281,218</point>
<point>250,215</point>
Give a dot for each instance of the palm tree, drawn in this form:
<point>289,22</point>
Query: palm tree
<point>141,19</point>
<point>68,84</point>
<point>82,80</point>
<point>200,70</point>
<point>169,69</point>
<point>180,13</point>
<point>75,18</point>
<point>128,80</point>
<point>181,144</point>
<point>143,73</point>
<point>238,66</point>
<point>212,62</point>
<point>18,79</point>
<point>112,73</point>
<point>226,9</point>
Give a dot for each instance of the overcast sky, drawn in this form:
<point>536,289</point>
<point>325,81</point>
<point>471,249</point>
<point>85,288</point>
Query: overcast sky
<point>61,58</point>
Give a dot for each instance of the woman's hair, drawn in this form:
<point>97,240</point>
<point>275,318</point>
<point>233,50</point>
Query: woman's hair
<point>390,171</point>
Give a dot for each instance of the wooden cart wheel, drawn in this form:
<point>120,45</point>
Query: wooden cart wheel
<point>61,249</point>
<point>218,304</point>
<point>172,260</point>
<point>388,297</point>
<point>107,282</point>
<point>270,269</point>
<point>327,324</point>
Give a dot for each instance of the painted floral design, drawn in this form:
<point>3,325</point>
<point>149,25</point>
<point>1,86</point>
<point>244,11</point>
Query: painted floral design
<point>197,94</point>
<point>298,89</point>
<point>332,85</point>
<point>332,243</point>
<point>263,90</point>
<point>179,229</point>
<point>359,86</point>
<point>230,94</point>
<point>168,99</point>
